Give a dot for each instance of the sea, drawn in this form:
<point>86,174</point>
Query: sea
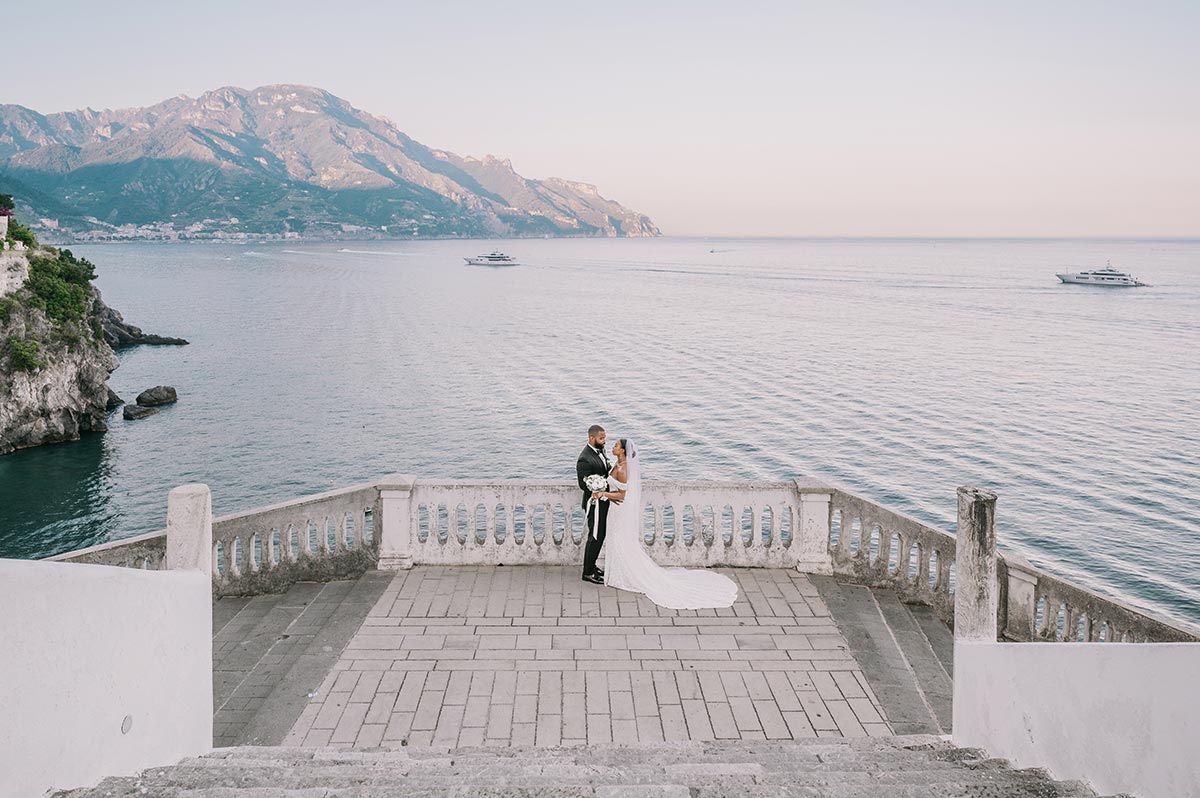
<point>897,368</point>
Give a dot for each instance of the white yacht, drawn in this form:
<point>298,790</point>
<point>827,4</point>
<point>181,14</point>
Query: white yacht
<point>1106,276</point>
<point>496,258</point>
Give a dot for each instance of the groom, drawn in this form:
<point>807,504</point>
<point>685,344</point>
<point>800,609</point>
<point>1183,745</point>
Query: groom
<point>592,461</point>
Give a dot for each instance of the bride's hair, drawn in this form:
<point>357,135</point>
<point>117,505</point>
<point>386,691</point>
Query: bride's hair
<point>625,448</point>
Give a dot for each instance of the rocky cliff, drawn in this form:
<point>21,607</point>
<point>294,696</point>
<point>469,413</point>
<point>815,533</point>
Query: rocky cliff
<point>54,363</point>
<point>57,341</point>
<point>57,402</point>
<point>14,268</point>
<point>118,332</point>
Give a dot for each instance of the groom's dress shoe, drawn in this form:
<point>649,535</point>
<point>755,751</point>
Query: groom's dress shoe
<point>593,578</point>
<point>599,572</point>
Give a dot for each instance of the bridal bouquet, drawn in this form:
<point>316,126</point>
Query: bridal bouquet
<point>596,483</point>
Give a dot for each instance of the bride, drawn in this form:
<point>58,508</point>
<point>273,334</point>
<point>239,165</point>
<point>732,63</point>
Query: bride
<point>627,564</point>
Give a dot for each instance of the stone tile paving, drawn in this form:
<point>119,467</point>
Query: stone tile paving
<point>520,656</point>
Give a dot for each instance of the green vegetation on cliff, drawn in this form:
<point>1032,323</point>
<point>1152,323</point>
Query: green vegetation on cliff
<point>59,284</point>
<point>16,231</point>
<point>54,309</point>
<point>54,359</point>
<point>23,355</point>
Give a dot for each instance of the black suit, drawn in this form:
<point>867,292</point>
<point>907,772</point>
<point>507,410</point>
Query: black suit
<point>589,463</point>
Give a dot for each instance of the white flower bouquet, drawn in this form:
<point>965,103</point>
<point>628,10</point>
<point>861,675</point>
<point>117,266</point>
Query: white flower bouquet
<point>596,483</point>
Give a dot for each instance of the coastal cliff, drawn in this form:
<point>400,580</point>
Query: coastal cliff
<point>54,360</point>
<point>57,341</point>
<point>118,332</point>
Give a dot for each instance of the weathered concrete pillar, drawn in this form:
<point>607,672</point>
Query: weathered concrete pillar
<point>812,538</point>
<point>976,594</point>
<point>189,529</point>
<point>394,518</point>
<point>1021,606</point>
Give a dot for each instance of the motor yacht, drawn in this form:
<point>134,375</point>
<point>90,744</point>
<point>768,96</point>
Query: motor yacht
<point>1106,276</point>
<point>492,259</point>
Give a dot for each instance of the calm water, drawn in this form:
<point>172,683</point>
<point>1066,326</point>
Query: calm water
<point>900,369</point>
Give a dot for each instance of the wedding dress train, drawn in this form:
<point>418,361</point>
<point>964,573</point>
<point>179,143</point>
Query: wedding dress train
<point>627,565</point>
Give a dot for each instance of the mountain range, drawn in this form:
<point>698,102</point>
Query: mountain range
<point>277,161</point>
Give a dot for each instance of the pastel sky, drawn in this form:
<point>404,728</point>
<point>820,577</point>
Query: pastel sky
<point>736,118</point>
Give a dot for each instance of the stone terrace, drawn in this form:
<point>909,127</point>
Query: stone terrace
<point>523,656</point>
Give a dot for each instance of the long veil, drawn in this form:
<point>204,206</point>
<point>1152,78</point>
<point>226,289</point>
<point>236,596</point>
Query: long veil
<point>629,566</point>
<point>633,488</point>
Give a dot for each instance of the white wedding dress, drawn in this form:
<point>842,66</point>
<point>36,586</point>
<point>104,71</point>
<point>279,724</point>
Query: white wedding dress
<point>627,565</point>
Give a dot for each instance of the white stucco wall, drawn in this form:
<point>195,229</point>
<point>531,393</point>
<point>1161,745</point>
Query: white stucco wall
<point>1123,716</point>
<point>82,648</point>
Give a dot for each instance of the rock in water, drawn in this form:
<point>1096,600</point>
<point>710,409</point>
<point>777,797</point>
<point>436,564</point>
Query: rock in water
<point>134,412</point>
<point>158,395</point>
<point>113,400</point>
<point>120,333</point>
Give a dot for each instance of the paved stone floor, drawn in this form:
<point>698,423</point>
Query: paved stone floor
<point>465,656</point>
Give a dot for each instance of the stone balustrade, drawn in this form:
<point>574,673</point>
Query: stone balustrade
<point>873,545</point>
<point>803,524</point>
<point>883,548</point>
<point>321,537</point>
<point>697,524</point>
<point>1036,605</point>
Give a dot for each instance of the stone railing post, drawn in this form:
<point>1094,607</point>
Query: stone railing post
<point>977,594</point>
<point>394,513</point>
<point>812,539</point>
<point>189,529</point>
<point>1021,606</point>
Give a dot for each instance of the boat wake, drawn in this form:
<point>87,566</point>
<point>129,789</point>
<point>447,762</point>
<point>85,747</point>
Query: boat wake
<point>378,252</point>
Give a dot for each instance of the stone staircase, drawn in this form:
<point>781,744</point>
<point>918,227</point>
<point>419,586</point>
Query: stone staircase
<point>898,767</point>
<point>270,652</point>
<point>904,650</point>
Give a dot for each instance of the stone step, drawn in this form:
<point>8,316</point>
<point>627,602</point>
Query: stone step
<point>895,655</point>
<point>937,633</point>
<point>380,779</point>
<point>630,791</point>
<point>777,765</point>
<point>723,777</point>
<point>697,773</point>
<point>225,609</point>
<point>822,758</point>
<point>921,744</point>
<point>798,789</point>
<point>924,767</point>
<point>277,649</point>
<point>932,678</point>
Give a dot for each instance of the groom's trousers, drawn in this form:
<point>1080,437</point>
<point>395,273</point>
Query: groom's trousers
<point>592,550</point>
